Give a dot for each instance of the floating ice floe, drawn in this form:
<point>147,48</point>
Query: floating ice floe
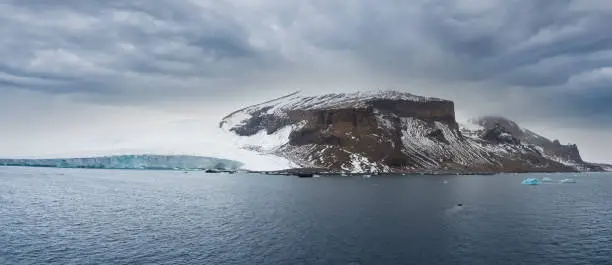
<point>568,181</point>
<point>531,181</point>
<point>547,179</point>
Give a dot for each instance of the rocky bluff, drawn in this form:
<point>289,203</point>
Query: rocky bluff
<point>391,131</point>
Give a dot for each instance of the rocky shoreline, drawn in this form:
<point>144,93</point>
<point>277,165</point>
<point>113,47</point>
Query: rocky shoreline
<point>312,172</point>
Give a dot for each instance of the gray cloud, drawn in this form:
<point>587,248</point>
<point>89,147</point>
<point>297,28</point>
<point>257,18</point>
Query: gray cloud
<point>545,63</point>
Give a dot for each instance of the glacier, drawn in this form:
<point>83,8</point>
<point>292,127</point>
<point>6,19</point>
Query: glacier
<point>174,162</point>
<point>177,138</point>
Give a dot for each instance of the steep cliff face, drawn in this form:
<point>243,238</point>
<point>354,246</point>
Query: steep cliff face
<point>383,132</point>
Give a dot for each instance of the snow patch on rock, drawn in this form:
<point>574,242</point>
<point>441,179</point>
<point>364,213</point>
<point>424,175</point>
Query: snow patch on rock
<point>297,101</point>
<point>264,142</point>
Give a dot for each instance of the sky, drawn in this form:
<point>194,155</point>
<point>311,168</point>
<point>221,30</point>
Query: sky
<point>87,76</point>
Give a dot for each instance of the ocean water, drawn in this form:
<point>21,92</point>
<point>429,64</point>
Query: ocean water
<point>76,216</point>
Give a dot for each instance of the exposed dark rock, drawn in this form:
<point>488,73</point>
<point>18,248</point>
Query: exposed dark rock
<point>268,122</point>
<point>399,132</point>
<point>437,135</point>
<point>499,134</point>
<point>490,122</point>
<point>304,175</point>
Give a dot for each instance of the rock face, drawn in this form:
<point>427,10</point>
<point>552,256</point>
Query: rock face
<point>554,150</point>
<point>390,131</point>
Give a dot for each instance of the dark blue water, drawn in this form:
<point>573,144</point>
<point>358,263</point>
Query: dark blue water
<point>71,216</point>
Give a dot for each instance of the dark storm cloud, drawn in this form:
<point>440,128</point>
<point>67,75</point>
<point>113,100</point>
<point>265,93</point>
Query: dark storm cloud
<point>532,60</point>
<point>119,47</point>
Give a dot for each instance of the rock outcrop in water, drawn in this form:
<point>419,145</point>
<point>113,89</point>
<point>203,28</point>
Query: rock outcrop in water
<point>390,131</point>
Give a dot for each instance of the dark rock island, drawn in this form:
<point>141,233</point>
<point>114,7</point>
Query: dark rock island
<point>396,132</point>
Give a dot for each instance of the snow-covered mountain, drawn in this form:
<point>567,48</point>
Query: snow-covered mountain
<point>390,131</point>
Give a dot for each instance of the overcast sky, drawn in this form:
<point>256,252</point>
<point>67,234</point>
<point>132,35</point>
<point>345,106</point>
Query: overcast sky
<point>79,74</point>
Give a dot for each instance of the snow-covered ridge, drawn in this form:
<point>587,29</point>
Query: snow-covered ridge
<point>297,101</point>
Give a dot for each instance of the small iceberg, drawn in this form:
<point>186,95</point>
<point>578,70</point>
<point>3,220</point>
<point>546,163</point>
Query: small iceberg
<point>568,181</point>
<point>547,179</point>
<point>531,181</point>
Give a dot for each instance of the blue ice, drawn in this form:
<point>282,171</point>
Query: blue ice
<point>531,181</point>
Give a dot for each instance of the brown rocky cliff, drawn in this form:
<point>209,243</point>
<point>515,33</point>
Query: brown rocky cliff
<point>360,130</point>
<point>391,131</point>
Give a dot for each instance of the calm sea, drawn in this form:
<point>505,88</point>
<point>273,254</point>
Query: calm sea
<point>73,216</point>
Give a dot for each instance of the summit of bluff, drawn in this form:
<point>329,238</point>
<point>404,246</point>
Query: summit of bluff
<point>391,131</point>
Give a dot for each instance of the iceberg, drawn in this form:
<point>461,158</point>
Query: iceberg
<point>547,179</point>
<point>568,181</point>
<point>531,181</point>
<point>165,162</point>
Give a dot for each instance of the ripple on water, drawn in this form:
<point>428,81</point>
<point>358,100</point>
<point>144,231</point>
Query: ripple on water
<point>71,216</point>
